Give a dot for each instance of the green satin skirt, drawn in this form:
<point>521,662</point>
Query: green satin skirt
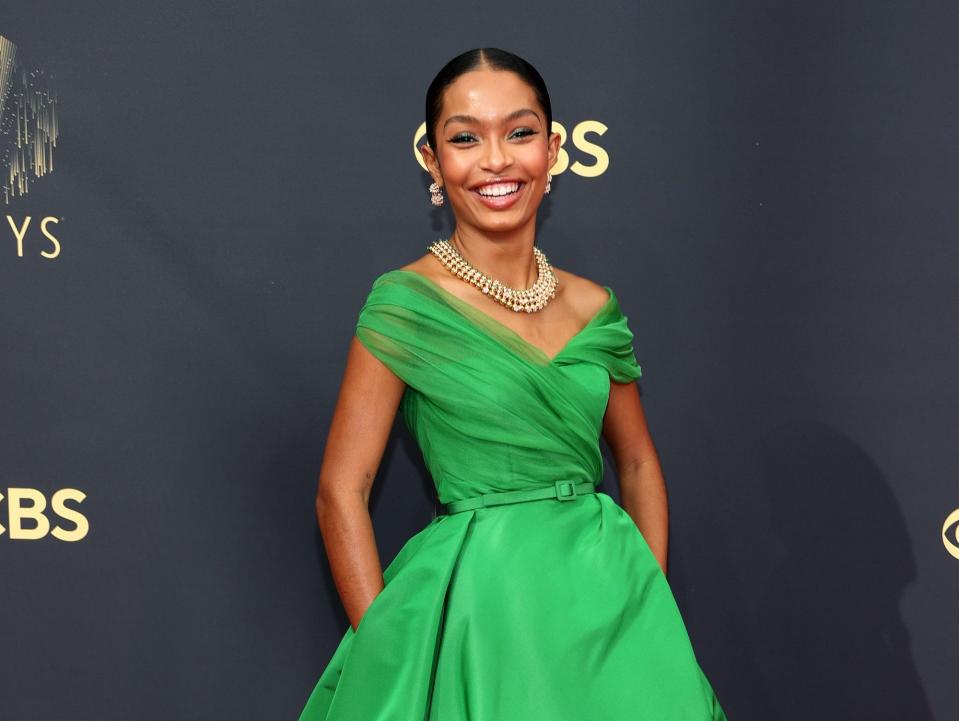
<point>535,611</point>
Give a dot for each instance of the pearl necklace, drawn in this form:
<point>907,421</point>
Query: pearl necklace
<point>531,299</point>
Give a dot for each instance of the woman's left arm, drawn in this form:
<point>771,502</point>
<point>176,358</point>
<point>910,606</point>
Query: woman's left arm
<point>641,482</point>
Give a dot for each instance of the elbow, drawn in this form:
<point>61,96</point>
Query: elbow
<point>319,505</point>
<point>334,495</point>
<point>326,507</point>
<point>325,499</point>
<point>325,492</point>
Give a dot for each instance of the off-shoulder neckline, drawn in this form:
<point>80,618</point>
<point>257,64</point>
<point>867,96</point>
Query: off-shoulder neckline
<point>486,321</point>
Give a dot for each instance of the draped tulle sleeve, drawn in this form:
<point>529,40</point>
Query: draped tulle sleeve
<point>411,331</point>
<point>609,344</point>
<point>620,355</point>
<point>387,325</point>
<point>623,366</point>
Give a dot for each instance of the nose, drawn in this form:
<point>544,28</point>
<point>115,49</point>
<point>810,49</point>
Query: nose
<point>496,155</point>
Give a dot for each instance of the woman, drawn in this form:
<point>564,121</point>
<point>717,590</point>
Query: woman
<point>534,597</point>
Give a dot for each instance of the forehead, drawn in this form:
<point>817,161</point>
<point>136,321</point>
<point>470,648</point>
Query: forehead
<point>488,94</point>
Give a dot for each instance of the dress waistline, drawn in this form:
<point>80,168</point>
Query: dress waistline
<point>560,490</point>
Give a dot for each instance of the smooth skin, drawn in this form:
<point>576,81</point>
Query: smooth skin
<point>491,126</point>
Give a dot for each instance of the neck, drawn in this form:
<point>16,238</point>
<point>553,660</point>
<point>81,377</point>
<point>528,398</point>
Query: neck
<point>506,257</point>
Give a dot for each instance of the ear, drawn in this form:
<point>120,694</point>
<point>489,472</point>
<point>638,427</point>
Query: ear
<point>432,163</point>
<point>552,149</point>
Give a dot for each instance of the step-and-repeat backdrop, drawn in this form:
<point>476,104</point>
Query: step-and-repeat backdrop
<point>197,196</point>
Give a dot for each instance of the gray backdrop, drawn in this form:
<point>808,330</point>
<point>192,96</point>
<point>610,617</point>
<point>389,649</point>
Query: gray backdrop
<point>778,216</point>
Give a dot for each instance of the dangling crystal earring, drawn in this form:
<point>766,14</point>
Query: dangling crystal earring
<point>549,179</point>
<point>436,194</point>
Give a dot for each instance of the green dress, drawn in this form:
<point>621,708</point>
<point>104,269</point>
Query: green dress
<point>543,610</point>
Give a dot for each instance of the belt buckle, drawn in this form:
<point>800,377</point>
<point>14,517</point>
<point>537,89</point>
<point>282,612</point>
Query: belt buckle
<point>565,490</point>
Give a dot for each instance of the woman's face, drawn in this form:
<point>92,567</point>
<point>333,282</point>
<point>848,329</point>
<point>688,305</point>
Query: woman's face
<point>493,151</point>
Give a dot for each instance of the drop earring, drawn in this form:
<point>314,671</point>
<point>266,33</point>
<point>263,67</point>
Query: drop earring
<point>549,180</point>
<point>436,194</point>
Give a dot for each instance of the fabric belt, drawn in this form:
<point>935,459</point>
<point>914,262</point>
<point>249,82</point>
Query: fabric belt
<point>561,490</point>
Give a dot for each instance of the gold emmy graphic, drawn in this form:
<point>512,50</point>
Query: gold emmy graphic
<point>29,127</point>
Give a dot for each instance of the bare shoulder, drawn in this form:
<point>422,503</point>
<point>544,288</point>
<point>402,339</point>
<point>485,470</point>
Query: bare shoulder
<point>425,264</point>
<point>583,296</point>
<point>429,266</point>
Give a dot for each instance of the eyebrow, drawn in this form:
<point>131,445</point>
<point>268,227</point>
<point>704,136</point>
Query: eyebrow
<point>470,119</point>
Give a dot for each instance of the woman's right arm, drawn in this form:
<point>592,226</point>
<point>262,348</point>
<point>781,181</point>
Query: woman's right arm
<point>362,420</point>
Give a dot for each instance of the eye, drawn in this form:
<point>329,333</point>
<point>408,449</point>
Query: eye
<point>463,138</point>
<point>523,132</point>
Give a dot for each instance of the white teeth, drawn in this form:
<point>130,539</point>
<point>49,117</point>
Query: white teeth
<point>498,189</point>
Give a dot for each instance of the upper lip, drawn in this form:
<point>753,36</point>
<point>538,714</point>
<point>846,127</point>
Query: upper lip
<point>497,181</point>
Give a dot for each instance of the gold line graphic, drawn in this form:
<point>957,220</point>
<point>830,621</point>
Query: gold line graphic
<point>28,123</point>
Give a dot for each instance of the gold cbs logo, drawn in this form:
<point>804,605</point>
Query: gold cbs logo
<point>599,155</point>
<point>26,520</point>
<point>950,533</point>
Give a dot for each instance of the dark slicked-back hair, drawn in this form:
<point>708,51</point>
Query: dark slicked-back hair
<point>471,60</point>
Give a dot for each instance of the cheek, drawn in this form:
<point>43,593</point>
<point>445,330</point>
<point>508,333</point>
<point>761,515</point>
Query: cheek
<point>537,162</point>
<point>455,171</point>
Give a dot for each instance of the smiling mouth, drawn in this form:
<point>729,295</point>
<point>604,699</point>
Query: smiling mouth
<point>498,190</point>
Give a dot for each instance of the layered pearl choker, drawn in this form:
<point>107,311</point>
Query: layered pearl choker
<point>530,299</point>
